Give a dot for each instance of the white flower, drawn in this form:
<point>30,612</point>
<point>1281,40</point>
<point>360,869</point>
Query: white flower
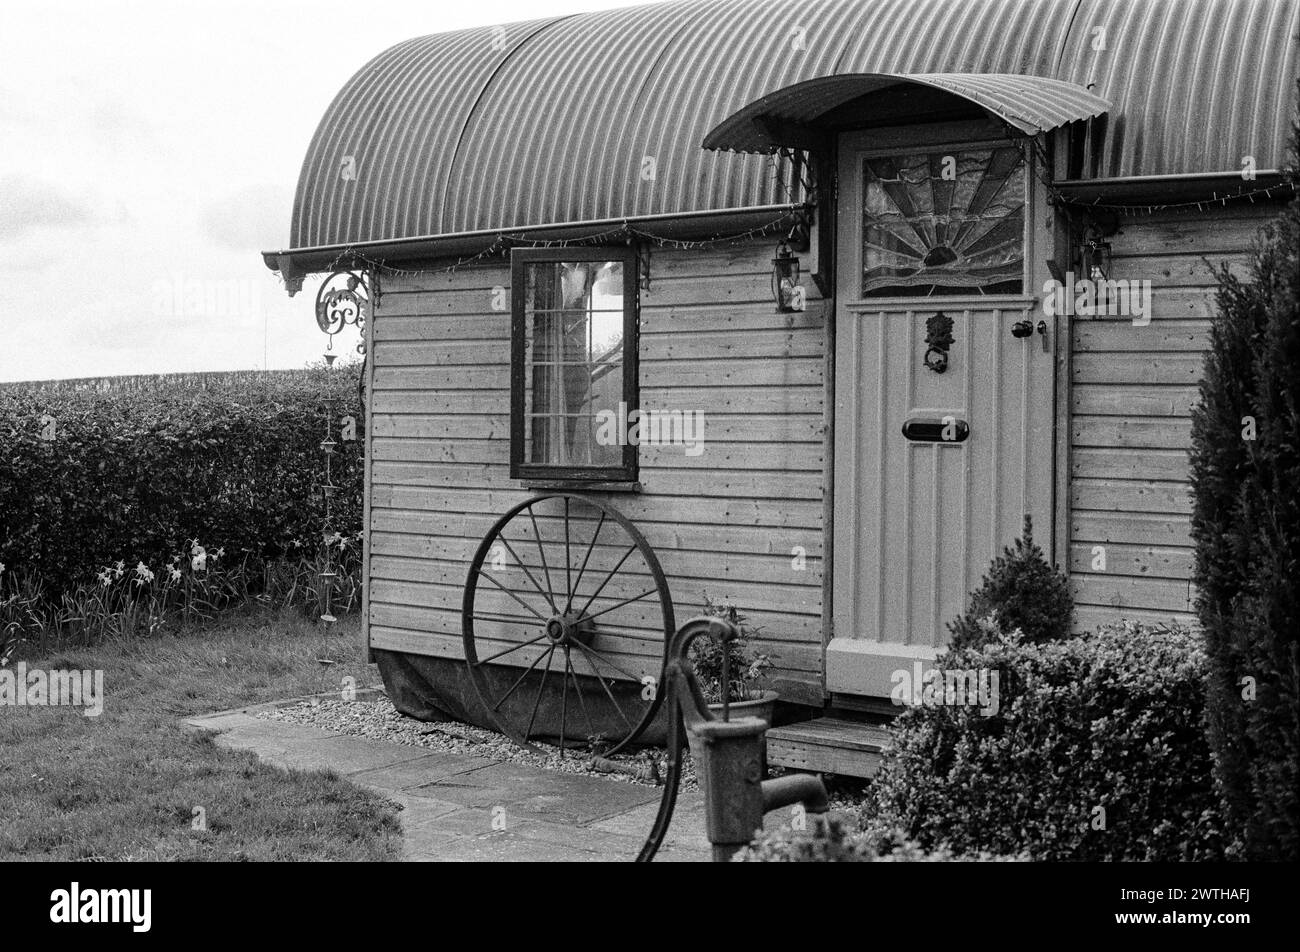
<point>219,553</point>
<point>199,562</point>
<point>2,568</point>
<point>143,574</point>
<point>175,573</point>
<point>120,568</point>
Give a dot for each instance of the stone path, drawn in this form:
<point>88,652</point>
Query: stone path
<point>457,807</point>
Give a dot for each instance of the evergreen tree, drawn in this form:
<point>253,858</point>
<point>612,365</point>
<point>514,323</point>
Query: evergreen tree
<point>1246,526</point>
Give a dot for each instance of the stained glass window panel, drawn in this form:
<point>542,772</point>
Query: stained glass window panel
<point>944,223</point>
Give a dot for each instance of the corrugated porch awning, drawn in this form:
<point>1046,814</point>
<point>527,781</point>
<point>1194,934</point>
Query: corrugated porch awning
<point>1032,104</point>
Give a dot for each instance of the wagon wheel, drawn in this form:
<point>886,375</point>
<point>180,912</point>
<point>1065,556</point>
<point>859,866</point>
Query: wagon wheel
<point>565,585</point>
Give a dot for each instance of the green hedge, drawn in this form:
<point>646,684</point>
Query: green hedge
<point>1245,467</point>
<point>829,839</point>
<point>1097,751</point>
<point>134,473</point>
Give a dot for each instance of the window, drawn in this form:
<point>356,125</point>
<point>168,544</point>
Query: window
<point>573,363</point>
<point>944,223</point>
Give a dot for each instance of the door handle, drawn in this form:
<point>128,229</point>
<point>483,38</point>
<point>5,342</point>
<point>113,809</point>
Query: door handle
<point>1042,331</point>
<point>1022,329</point>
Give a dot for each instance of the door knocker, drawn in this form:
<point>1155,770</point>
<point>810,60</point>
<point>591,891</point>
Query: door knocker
<point>938,338</point>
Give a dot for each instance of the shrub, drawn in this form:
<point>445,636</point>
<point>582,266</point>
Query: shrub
<point>1095,753</point>
<point>746,669</point>
<point>1246,527</point>
<point>133,474</point>
<point>1021,591</point>
<point>830,839</point>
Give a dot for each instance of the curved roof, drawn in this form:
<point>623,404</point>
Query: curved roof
<point>564,120</point>
<point>1032,104</point>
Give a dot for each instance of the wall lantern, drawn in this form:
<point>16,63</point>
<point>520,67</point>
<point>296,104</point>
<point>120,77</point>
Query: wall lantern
<point>1096,258</point>
<point>786,291</point>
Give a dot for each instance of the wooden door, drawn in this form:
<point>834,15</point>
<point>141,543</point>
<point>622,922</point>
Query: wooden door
<point>941,245</point>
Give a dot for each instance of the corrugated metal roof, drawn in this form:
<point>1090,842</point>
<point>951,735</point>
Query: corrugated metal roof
<point>1032,104</point>
<point>1196,85</point>
<point>554,120</point>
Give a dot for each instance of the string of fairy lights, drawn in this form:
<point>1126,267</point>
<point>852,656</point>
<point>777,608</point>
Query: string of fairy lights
<point>350,258</point>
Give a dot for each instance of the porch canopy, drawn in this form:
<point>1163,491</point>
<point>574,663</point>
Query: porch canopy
<point>797,116</point>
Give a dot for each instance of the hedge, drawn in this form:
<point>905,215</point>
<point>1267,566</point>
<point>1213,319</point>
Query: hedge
<point>1096,752</point>
<point>92,477</point>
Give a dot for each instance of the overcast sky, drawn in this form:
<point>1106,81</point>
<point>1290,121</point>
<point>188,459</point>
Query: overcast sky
<point>149,150</point>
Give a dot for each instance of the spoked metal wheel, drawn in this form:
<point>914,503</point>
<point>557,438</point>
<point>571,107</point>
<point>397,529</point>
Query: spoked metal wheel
<point>566,620</point>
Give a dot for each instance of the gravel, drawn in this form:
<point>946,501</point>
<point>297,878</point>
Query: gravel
<point>380,720</point>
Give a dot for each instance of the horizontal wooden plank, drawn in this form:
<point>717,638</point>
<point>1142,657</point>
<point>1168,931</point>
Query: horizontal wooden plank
<point>795,755</point>
<point>1130,495</point>
<point>1121,463</point>
<point>409,323</point>
<point>416,507</point>
<point>438,632</point>
<point>665,537</point>
<point>1175,270</point>
<point>737,402</point>
<point>410,318</point>
<point>1133,401</point>
<point>485,273</point>
<point>732,344</point>
<point>696,316</point>
<point>781,623</point>
<point>470,402</point>
<point>693,373</point>
<point>1186,303</point>
<point>847,735</point>
<point>758,484</point>
<point>1141,561</point>
<point>1175,369</point>
<point>1139,528</point>
<point>1143,594</point>
<point>1164,433</point>
<point>689,570</point>
<point>1092,617</point>
<point>1158,336</point>
<point>395,628</point>
<point>759,599</point>
<point>440,378</point>
<point>1192,231</point>
<point>680,344</point>
<point>707,454</point>
<point>720,431</point>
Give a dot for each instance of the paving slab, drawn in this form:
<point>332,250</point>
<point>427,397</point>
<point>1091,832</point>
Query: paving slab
<point>459,807</point>
<point>543,794</point>
<point>420,771</point>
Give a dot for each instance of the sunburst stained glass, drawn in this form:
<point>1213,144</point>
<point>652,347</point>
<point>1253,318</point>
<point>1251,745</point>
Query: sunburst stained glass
<point>944,223</point>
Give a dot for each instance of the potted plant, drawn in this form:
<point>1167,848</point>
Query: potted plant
<point>746,674</point>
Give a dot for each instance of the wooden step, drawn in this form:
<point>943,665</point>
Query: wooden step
<point>828,745</point>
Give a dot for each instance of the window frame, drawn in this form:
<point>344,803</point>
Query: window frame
<point>520,259</point>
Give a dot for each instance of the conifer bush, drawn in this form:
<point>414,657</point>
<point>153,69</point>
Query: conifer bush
<point>1021,591</point>
<point>1245,466</point>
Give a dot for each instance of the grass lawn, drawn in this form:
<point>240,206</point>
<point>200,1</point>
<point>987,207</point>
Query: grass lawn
<point>124,785</point>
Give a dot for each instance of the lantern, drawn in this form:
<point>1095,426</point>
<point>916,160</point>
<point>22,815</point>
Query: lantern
<point>1096,259</point>
<point>787,293</point>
